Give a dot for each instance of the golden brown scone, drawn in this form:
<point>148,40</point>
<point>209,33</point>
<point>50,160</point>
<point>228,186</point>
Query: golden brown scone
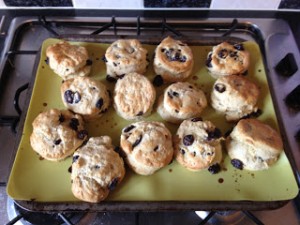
<point>134,96</point>
<point>57,134</point>
<point>147,146</point>
<point>197,144</point>
<point>85,96</point>
<point>235,96</point>
<point>173,60</point>
<point>180,101</point>
<point>227,59</point>
<point>253,145</point>
<point>96,170</point>
<point>68,60</point>
<point>125,56</point>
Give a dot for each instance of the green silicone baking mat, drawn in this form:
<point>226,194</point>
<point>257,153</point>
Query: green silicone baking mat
<point>33,178</point>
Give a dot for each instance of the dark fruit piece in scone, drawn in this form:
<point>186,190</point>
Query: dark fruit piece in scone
<point>237,164</point>
<point>188,140</point>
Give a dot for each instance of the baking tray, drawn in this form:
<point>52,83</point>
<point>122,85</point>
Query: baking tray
<point>43,185</point>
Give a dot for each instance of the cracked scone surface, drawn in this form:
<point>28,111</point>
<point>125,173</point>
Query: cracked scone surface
<point>173,60</point>
<point>235,97</point>
<point>147,146</point>
<point>134,96</point>
<point>255,144</point>
<point>180,101</point>
<point>227,59</point>
<point>125,56</point>
<point>85,96</point>
<point>96,170</point>
<point>197,144</point>
<point>57,134</point>
<point>68,60</point>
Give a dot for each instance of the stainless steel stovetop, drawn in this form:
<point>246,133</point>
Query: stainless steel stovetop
<point>25,37</point>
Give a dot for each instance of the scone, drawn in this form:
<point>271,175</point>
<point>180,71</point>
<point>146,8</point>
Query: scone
<point>57,134</point>
<point>96,170</point>
<point>85,96</point>
<point>134,96</point>
<point>147,146</point>
<point>125,56</point>
<point>197,144</point>
<point>181,101</point>
<point>235,96</point>
<point>253,145</point>
<point>173,60</point>
<point>227,59</point>
<point>68,60</point>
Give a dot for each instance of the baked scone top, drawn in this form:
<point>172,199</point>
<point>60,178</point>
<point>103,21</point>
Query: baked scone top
<point>236,96</point>
<point>197,144</point>
<point>173,60</point>
<point>125,56</point>
<point>85,96</point>
<point>57,134</point>
<point>147,145</point>
<point>183,98</point>
<point>174,55</point>
<point>258,134</point>
<point>67,56</point>
<point>227,59</point>
<point>134,96</point>
<point>96,170</point>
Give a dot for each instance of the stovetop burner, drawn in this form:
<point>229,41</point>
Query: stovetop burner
<point>20,216</point>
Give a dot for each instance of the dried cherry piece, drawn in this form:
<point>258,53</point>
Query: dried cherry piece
<point>89,62</point>
<point>215,168</point>
<point>220,88</point>
<point>223,53</point>
<point>215,134</point>
<point>110,78</point>
<point>104,59</point>
<point>113,184</point>
<point>158,81</point>
<point>57,142</point>
<point>129,128</point>
<point>82,134</point>
<point>208,61</point>
<point>99,103</point>
<point>239,47</point>
<point>137,142</point>
<point>75,158</point>
<point>74,123</point>
<point>61,118</point>
<point>69,96</point>
<point>76,97</point>
<point>196,119</point>
<point>237,164</point>
<point>188,140</point>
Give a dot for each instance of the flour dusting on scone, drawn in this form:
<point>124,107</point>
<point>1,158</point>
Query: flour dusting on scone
<point>235,96</point>
<point>173,60</point>
<point>180,101</point>
<point>197,145</point>
<point>227,59</point>
<point>125,56</point>
<point>134,96</point>
<point>253,145</point>
<point>57,134</point>
<point>68,60</point>
<point>85,96</point>
<point>96,170</point>
<point>147,146</point>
